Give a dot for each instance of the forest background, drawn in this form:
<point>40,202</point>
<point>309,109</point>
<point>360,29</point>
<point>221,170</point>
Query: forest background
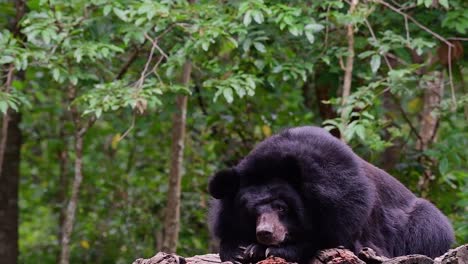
<point>105,105</point>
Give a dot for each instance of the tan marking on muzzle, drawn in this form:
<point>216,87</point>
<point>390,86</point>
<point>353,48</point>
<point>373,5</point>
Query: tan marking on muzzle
<point>270,231</point>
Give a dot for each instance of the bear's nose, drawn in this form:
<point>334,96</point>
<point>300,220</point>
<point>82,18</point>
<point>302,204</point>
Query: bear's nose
<point>264,236</point>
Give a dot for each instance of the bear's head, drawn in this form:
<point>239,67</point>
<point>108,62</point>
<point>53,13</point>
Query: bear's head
<point>273,209</point>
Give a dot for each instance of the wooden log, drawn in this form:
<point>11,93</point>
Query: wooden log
<point>336,256</point>
<point>458,255</point>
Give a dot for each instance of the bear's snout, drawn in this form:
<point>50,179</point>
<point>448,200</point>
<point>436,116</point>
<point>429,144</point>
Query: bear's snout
<point>270,231</point>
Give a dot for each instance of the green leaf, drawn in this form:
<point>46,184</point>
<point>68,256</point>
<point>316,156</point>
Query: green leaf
<point>107,9</point>
<point>13,105</point>
<point>366,54</point>
<point>375,63</point>
<point>121,14</point>
<point>233,41</point>
<point>98,112</point>
<point>314,27</point>
<point>444,3</point>
<point>248,17</point>
<point>250,82</point>
<point>227,93</point>
<point>246,45</point>
<point>360,132</point>
<point>238,89</point>
<point>310,37</point>
<point>295,31</point>
<point>443,166</point>
<point>258,16</point>
<point>6,59</point>
<point>205,45</point>
<point>3,107</point>
<point>260,47</point>
<point>56,74</point>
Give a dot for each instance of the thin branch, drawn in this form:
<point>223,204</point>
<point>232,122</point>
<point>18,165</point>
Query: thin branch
<point>375,39</point>
<point>9,77</point>
<point>155,44</point>
<point>446,41</point>
<point>398,59</point>
<point>90,123</point>
<point>452,87</point>
<point>140,81</point>
<point>135,53</point>
<point>407,29</point>
<point>340,60</point>
<point>348,75</point>
<point>327,29</point>
<point>415,22</point>
<point>144,74</point>
<point>408,7</point>
<point>200,99</point>
<point>129,62</point>
<point>167,30</point>
<point>350,59</point>
<point>129,129</point>
<point>405,116</point>
<point>153,70</point>
<point>458,38</point>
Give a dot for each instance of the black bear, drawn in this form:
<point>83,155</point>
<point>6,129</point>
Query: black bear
<point>303,190</point>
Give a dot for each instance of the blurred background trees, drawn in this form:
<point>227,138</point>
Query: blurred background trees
<point>89,91</point>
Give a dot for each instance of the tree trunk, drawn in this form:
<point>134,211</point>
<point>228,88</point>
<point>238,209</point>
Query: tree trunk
<point>323,85</point>
<point>350,59</point>
<point>433,93</point>
<point>10,156</point>
<point>348,76</point>
<point>9,181</point>
<point>391,155</point>
<point>63,159</point>
<point>67,227</point>
<point>172,212</point>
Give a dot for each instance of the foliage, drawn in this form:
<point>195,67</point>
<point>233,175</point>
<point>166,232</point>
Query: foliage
<point>257,68</point>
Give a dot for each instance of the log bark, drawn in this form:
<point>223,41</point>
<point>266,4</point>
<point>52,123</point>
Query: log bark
<point>457,255</point>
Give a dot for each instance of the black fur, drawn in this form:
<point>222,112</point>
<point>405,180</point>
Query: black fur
<point>335,198</point>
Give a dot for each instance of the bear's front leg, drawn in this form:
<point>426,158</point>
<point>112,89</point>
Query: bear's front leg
<point>230,251</point>
<point>244,253</point>
<point>254,253</point>
<point>300,253</point>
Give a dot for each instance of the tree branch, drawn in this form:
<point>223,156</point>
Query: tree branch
<point>130,61</point>
<point>405,116</point>
<point>406,16</point>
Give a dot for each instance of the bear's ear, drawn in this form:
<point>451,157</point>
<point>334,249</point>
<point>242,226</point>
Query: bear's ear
<point>224,183</point>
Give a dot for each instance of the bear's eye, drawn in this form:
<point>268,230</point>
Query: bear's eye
<point>281,208</point>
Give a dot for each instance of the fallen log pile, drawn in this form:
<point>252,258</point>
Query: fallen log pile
<point>458,255</point>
